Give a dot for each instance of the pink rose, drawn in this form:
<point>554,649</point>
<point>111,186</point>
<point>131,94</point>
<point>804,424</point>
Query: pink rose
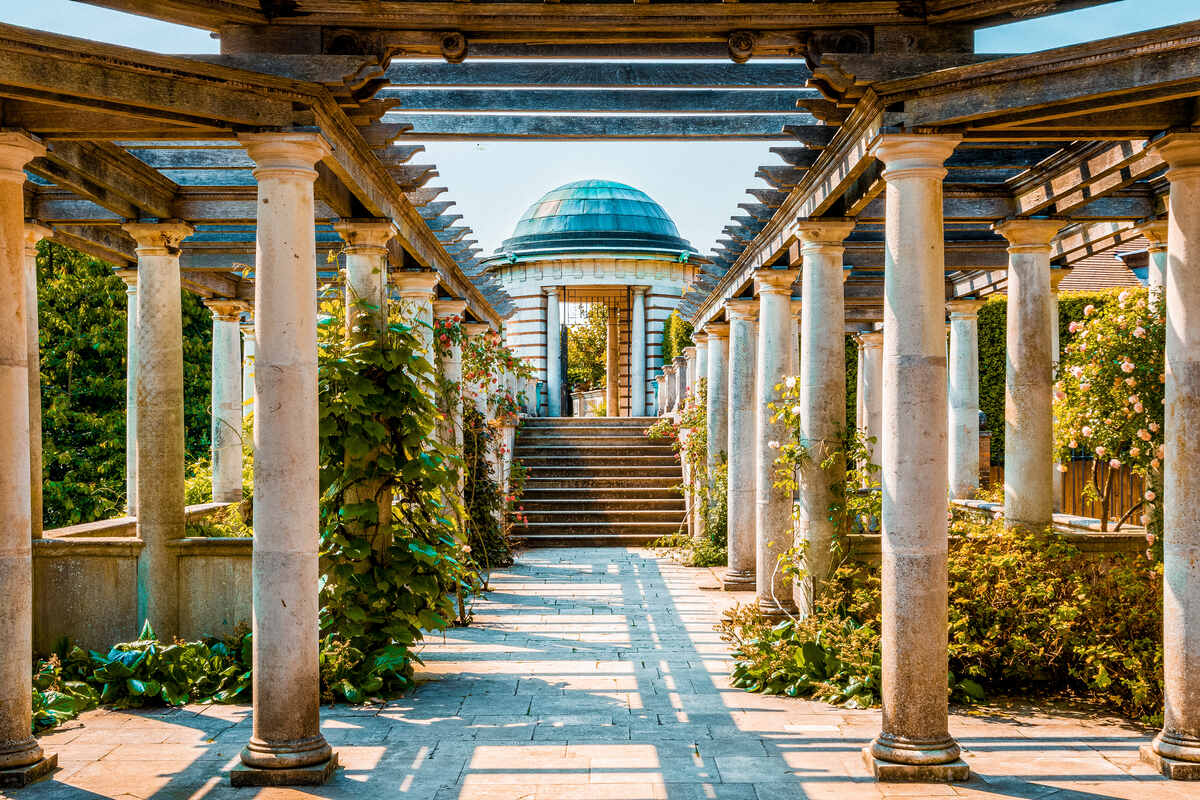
<point>1086,431</point>
<point>1083,387</point>
<point>1131,381</point>
<point>1073,327</point>
<point>1139,332</point>
<point>1149,495</point>
<point>1088,310</point>
<point>1100,451</point>
<point>1138,408</point>
<point>1115,463</point>
<point>1126,366</point>
<point>1144,435</point>
<point>1134,452</point>
<point>1154,427</point>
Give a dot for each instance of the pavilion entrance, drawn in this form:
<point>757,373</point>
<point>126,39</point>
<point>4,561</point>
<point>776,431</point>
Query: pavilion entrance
<point>596,350</point>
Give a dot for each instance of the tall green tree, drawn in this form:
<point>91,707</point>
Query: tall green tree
<point>587,344</point>
<point>81,309</point>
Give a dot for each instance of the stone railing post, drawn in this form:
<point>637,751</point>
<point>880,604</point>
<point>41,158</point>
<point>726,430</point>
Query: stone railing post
<point>33,235</point>
<point>964,397</point>
<point>740,443</point>
<point>637,352</point>
<point>130,277</point>
<point>366,275</point>
<point>226,400</point>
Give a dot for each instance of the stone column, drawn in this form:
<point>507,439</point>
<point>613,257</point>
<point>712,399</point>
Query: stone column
<point>1156,233</point>
<point>822,371</point>
<point>915,743</point>
<point>554,374</point>
<point>871,391</point>
<point>286,746</point>
<point>772,506</point>
<point>797,311</point>
<point>226,401</point>
<point>130,277</point>
<point>740,443</point>
<point>451,429</point>
<point>660,395</point>
<point>681,381</point>
<point>964,397</point>
<point>416,290</point>
<point>366,275</point>
<point>1029,379</point>
<point>160,434</point>
<point>247,370</point>
<point>21,758</point>
<point>33,235</point>
<point>1176,750</point>
<point>637,353</point>
<point>667,395</point>
<point>612,368</point>
<point>718,393</point>
<point>701,340</point>
<point>690,375</point>
<point>1056,277</point>
<point>478,390</point>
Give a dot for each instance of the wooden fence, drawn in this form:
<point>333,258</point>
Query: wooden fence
<point>1126,493</point>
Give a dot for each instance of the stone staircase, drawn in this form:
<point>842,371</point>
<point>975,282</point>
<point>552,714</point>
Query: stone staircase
<point>597,481</point>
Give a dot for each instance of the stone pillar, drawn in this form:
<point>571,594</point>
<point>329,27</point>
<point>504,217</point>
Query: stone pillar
<point>637,353</point>
<point>797,311</point>
<point>1056,277</point>
<point>33,235</point>
<point>160,434</point>
<point>451,429</point>
<point>667,395</point>
<point>226,401</point>
<point>871,391</point>
<point>130,277</point>
<point>286,746</point>
<point>701,340</point>
<point>964,397</point>
<point>741,440</point>
<point>366,275</point>
<point>1029,379</point>
<point>612,368</point>
<point>478,390</point>
<point>772,506</point>
<point>247,370</point>
<point>21,758</point>
<point>681,381</point>
<point>689,383</point>
<point>660,395</point>
<point>822,371</point>
<point>1156,233</point>
<point>1176,750</point>
<point>554,373</point>
<point>718,393</point>
<point>416,290</point>
<point>915,743</point>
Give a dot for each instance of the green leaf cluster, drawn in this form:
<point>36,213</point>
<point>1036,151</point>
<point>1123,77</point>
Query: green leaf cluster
<point>482,496</point>
<point>677,334</point>
<point>587,350</point>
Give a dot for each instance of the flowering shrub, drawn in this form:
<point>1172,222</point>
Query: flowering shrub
<point>1108,399</point>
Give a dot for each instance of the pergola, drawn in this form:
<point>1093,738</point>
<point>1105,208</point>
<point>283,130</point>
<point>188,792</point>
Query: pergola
<point>915,174</point>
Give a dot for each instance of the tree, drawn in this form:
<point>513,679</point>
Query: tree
<point>677,334</point>
<point>1108,400</point>
<point>587,344</point>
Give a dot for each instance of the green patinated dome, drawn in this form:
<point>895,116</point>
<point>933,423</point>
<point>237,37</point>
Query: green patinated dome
<point>595,215</point>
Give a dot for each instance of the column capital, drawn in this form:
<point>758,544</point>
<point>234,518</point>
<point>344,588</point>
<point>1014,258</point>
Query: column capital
<point>247,329</point>
<point>550,291</point>
<point>796,307</point>
<point>285,152</point>
<point>226,309</point>
<point>1056,276</point>
<point>717,330</point>
<point>129,276</point>
<point>639,289</point>
<point>742,308</point>
<point>1181,151</point>
<point>420,285</point>
<point>1156,231</point>
<point>473,329</point>
<point>159,238</point>
<point>688,352</point>
<point>16,150</point>
<point>1029,233</point>
<point>35,232</point>
<point>449,308</point>
<point>365,235</point>
<point>870,340</point>
<point>681,359</point>
<point>775,281</point>
<point>817,234</point>
<point>700,337</point>
<point>669,369</point>
<point>914,155</point>
<point>964,308</point>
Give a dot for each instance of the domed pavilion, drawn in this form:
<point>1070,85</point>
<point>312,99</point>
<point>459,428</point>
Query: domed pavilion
<point>589,242</point>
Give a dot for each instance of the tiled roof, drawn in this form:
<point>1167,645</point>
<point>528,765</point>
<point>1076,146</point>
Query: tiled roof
<point>1103,270</point>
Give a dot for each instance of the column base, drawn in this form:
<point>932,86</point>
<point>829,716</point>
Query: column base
<point>17,777</point>
<point>889,772</point>
<point>1173,768</point>
<point>735,580</point>
<point>311,775</point>
<point>772,609</point>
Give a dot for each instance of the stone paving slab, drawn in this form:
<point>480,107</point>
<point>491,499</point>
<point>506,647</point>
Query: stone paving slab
<point>595,674</point>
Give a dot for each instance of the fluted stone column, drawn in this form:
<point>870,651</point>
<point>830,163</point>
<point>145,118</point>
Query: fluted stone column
<point>718,392</point>
<point>226,400</point>
<point>741,441</point>
<point>822,371</point>
<point>247,370</point>
<point>1029,379</point>
<point>33,235</point>
<point>964,397</point>
<point>366,275</point>
<point>612,369</point>
<point>130,277</point>
<point>870,391</point>
<point>286,745</point>
<point>681,381</point>
<point>915,743</point>
<point>451,429</point>
<point>554,373</point>
<point>160,433</point>
<point>637,353</point>
<point>1176,750</point>
<point>21,757</point>
<point>775,360</point>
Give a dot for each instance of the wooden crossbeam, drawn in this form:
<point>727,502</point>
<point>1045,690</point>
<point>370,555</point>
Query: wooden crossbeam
<point>469,127</point>
<point>583,75</point>
<point>594,100</point>
<point>1094,172</point>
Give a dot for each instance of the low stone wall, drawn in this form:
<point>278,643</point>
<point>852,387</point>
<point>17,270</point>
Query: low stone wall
<point>214,585</point>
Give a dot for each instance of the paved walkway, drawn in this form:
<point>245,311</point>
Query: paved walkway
<point>594,674</point>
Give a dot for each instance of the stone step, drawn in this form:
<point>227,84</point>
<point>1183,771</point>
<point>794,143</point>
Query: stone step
<point>588,516</point>
<point>623,481</point>
<point>600,439</point>
<point>631,463</point>
<point>578,472</point>
<point>538,501</point>
<point>631,533</point>
<point>586,422</point>
<point>524,451</point>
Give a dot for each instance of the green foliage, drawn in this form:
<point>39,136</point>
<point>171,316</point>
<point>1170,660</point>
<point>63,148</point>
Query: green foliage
<point>385,580</point>
<point>486,535</point>
<point>1108,400</point>
<point>851,383</point>
<point>677,334</point>
<point>81,308</point>
<point>587,343</point>
<point>232,521</point>
<point>1028,613</point>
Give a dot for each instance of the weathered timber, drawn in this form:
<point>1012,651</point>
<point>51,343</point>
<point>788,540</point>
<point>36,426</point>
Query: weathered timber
<point>800,157</point>
<point>1083,174</point>
<point>470,127</point>
<point>599,76</point>
<point>594,100</point>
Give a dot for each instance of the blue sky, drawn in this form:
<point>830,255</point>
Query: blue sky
<point>700,184</point>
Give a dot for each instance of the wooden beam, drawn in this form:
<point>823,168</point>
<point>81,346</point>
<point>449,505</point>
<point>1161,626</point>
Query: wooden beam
<point>594,100</point>
<point>584,75</point>
<point>1093,173</point>
<point>746,127</point>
